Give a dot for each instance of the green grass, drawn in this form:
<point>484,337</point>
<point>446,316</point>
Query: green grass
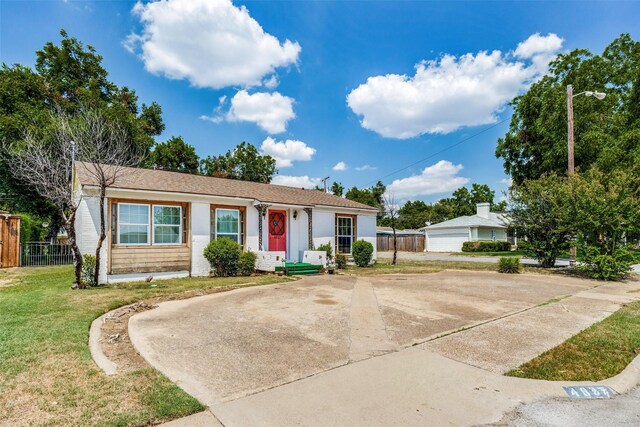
<point>499,253</point>
<point>600,351</point>
<point>47,376</point>
<point>384,266</point>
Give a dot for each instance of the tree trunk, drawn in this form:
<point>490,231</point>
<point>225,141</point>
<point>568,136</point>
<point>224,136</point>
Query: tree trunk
<point>103,235</point>
<point>395,246</point>
<point>70,227</point>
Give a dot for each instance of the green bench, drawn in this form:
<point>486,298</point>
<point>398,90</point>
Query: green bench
<point>293,268</point>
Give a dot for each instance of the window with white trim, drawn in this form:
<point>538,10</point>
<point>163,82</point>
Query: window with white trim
<point>344,234</point>
<point>227,223</point>
<point>167,225</point>
<point>133,224</point>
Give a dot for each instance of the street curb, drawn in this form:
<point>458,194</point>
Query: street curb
<point>95,348</point>
<point>627,379</point>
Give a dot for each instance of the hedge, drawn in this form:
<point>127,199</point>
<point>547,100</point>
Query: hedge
<point>486,246</point>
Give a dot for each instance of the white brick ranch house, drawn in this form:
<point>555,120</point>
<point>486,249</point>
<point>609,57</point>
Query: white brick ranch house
<point>159,222</point>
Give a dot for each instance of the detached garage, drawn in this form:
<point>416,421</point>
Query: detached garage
<point>448,236</point>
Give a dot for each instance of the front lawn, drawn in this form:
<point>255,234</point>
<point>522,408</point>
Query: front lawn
<point>403,266</point>
<point>47,376</point>
<point>499,253</point>
<point>600,351</point>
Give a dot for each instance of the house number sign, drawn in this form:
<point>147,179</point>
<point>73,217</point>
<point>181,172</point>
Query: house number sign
<point>588,392</point>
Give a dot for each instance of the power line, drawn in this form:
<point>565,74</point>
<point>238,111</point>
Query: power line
<point>437,152</point>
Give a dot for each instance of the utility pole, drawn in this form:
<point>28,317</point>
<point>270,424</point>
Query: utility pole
<point>570,129</point>
<point>324,180</point>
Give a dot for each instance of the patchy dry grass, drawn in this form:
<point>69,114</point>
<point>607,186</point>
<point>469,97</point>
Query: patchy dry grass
<point>493,254</point>
<point>47,376</point>
<point>600,351</point>
<point>384,266</point>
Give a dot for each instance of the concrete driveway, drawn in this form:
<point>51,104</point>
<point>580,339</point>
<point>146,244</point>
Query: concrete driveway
<point>303,353</point>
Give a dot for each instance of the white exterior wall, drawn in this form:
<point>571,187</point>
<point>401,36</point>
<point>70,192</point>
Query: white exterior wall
<point>252,229</point>
<point>268,261</point>
<point>200,236</point>
<point>484,233</point>
<point>88,230</point>
<point>367,231</point>
<point>324,227</point>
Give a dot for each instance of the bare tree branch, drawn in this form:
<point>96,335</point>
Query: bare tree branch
<point>392,212</point>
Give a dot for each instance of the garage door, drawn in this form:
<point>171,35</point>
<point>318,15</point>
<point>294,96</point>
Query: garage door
<point>446,242</point>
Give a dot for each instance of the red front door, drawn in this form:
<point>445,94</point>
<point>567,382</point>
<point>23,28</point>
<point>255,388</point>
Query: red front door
<point>277,231</point>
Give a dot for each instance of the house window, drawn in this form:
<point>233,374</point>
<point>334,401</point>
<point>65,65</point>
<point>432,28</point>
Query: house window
<point>228,223</point>
<point>493,235</point>
<point>167,225</point>
<point>344,234</point>
<point>133,224</point>
<point>142,224</point>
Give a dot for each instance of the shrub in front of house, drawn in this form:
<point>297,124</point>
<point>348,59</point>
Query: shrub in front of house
<point>224,256</point>
<point>607,267</point>
<point>327,248</point>
<point>509,264</point>
<point>247,263</point>
<point>88,270</point>
<point>362,253</point>
<point>486,246</point>
<point>341,261</point>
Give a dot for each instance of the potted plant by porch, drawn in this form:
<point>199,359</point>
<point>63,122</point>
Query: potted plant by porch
<point>331,266</point>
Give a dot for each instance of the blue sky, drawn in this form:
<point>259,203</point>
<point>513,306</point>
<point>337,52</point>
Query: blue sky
<point>318,83</point>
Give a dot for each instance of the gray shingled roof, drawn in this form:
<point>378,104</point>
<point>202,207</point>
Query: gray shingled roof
<point>174,182</point>
<point>495,220</point>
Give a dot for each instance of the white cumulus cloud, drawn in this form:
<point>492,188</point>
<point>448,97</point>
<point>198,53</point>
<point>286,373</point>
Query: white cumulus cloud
<point>340,166</point>
<point>270,111</point>
<point>296,181</point>
<point>451,92</point>
<point>507,181</point>
<point>210,43</point>
<point>366,168</point>
<point>438,178</point>
<point>286,152</point>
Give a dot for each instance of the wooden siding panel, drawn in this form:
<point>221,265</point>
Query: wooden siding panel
<point>144,259</point>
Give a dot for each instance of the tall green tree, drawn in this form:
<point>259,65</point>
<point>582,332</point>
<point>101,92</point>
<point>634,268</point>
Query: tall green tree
<point>372,196</point>
<point>68,77</point>
<point>244,163</point>
<point>175,155</point>
<point>337,189</point>
<point>606,208</point>
<point>606,131</point>
<point>542,212</point>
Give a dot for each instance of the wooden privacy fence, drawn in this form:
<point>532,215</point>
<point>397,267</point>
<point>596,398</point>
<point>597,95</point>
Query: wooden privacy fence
<point>413,243</point>
<point>9,240</point>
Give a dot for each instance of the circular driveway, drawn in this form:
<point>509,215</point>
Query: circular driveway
<point>224,346</point>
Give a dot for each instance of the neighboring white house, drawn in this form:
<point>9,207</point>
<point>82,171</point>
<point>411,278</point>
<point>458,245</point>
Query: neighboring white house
<point>159,222</point>
<point>448,236</point>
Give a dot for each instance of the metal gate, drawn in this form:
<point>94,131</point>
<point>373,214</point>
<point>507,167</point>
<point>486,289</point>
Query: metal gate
<point>43,253</point>
<point>9,240</point>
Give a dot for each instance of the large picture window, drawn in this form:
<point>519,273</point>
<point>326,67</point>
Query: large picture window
<point>148,224</point>
<point>133,224</point>
<point>227,223</point>
<point>344,234</point>
<point>167,224</point>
